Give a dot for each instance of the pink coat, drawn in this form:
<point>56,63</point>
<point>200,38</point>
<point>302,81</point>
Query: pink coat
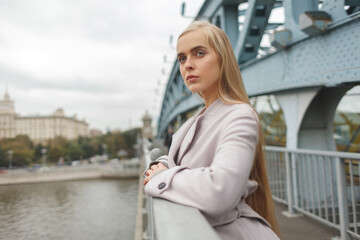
<point>210,161</point>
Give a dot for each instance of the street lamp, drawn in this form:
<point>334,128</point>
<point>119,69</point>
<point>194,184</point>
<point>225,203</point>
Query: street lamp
<point>44,151</point>
<point>182,12</point>
<point>10,153</point>
<point>104,151</point>
<point>166,61</point>
<point>163,72</point>
<point>171,38</point>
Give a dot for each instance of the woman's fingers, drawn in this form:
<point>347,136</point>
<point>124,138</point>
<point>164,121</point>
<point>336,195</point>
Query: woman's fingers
<point>161,166</point>
<point>148,174</point>
<point>153,167</point>
<point>146,180</point>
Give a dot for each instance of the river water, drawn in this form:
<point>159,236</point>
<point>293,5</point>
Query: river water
<point>92,209</point>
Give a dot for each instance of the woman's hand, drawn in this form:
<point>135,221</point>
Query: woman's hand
<point>154,169</point>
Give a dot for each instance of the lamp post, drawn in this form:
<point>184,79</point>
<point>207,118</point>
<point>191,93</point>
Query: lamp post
<point>10,153</point>
<point>44,151</point>
<point>163,72</point>
<point>171,38</point>
<point>166,61</point>
<point>104,151</point>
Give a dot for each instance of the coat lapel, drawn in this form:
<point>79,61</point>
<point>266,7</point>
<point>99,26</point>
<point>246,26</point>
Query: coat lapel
<point>178,139</point>
<point>187,139</point>
<point>181,137</point>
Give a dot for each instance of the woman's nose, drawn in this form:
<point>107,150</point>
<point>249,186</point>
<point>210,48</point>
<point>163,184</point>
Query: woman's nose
<point>189,65</point>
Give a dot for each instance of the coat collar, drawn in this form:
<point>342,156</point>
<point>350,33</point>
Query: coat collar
<point>212,109</point>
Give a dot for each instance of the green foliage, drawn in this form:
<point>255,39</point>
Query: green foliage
<point>22,151</point>
<point>130,137</point>
<point>27,152</point>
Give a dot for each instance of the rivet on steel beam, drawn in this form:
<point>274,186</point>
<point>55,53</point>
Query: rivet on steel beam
<point>281,38</point>
<point>254,31</point>
<point>260,11</point>
<point>249,47</point>
<point>314,22</point>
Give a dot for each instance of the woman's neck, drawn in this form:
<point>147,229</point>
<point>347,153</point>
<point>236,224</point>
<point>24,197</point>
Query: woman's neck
<point>209,98</point>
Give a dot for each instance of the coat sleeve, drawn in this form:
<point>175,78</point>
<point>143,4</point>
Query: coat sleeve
<point>218,188</point>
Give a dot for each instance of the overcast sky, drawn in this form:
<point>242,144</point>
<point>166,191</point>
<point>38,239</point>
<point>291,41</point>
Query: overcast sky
<point>101,60</point>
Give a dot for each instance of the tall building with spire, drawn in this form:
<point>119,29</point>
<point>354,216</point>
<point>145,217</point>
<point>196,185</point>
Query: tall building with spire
<point>39,128</point>
<point>147,131</point>
<point>7,117</point>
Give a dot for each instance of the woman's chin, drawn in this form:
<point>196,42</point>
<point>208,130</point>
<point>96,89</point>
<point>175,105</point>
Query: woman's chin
<point>194,90</point>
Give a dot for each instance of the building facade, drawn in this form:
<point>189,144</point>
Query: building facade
<point>39,128</point>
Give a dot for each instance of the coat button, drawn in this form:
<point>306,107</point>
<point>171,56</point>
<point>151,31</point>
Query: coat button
<point>162,185</point>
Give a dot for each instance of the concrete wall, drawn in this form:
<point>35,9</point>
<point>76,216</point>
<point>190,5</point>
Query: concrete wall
<point>69,173</point>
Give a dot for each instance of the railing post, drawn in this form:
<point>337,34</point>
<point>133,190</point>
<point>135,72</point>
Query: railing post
<point>294,171</point>
<point>341,191</point>
<point>289,188</point>
<point>151,219</point>
<point>149,233</point>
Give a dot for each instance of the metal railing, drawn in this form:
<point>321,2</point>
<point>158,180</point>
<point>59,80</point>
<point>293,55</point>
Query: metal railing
<point>323,185</point>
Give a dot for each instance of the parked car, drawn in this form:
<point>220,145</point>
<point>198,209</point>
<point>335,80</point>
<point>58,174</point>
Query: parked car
<point>75,163</point>
<point>114,161</point>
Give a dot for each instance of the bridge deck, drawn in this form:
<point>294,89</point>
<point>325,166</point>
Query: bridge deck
<point>302,227</point>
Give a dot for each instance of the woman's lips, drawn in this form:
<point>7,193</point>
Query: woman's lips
<point>192,78</point>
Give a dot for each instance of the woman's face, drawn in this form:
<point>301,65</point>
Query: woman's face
<point>199,63</point>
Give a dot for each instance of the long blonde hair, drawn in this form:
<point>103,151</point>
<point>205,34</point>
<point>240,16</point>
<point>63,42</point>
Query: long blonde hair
<point>231,90</point>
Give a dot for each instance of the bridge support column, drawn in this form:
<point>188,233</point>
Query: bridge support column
<point>316,130</point>
<point>294,106</point>
<point>309,116</point>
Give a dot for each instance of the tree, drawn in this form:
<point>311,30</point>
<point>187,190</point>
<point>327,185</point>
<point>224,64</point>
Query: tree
<point>26,152</point>
<point>130,137</point>
<point>74,150</point>
<point>56,148</point>
<point>22,151</point>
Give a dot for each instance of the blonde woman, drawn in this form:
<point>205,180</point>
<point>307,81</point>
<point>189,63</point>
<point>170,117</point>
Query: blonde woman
<point>216,160</point>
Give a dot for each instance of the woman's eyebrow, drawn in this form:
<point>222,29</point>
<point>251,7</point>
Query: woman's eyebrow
<point>197,47</point>
<point>193,49</point>
<point>180,54</point>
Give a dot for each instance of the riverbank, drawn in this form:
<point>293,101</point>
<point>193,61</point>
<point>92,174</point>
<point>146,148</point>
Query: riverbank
<point>67,173</point>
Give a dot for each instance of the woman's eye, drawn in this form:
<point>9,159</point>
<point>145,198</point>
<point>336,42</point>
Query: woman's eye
<point>181,59</point>
<point>199,54</point>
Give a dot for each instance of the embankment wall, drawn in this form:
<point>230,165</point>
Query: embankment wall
<point>68,173</point>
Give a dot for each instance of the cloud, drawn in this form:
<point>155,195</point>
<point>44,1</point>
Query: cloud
<point>99,60</point>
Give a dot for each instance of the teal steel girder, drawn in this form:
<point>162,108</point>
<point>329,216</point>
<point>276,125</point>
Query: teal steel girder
<point>257,16</point>
<point>329,59</point>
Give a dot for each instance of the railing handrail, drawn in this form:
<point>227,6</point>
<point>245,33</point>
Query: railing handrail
<point>168,220</point>
<point>314,152</point>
